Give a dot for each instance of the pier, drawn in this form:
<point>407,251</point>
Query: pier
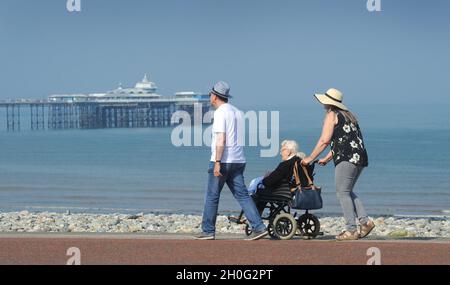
<point>136,107</point>
<point>97,115</point>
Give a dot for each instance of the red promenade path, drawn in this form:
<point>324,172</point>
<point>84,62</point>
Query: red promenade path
<point>227,250</point>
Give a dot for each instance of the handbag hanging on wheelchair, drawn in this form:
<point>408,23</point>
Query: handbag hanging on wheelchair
<point>305,198</point>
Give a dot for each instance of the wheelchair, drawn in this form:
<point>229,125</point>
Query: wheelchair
<point>281,224</point>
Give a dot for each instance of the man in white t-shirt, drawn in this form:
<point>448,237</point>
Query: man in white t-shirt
<point>227,165</point>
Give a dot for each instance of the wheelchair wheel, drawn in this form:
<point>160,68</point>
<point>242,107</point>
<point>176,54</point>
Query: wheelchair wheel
<point>308,225</point>
<point>248,230</point>
<point>284,226</point>
<point>272,234</point>
<point>271,231</point>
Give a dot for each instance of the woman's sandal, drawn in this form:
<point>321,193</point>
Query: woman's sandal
<point>347,235</point>
<point>366,229</point>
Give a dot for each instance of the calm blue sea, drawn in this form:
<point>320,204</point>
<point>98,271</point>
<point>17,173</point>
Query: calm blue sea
<point>139,170</point>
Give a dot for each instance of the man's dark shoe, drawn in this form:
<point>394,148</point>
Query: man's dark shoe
<point>257,235</point>
<point>204,236</point>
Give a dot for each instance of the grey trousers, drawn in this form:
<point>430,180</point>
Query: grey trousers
<point>346,175</point>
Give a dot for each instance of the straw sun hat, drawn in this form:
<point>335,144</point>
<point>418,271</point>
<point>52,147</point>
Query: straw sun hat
<point>332,97</point>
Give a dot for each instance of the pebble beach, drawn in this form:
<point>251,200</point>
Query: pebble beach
<point>47,222</point>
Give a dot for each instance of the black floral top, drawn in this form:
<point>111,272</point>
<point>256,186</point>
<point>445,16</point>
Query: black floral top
<point>347,143</point>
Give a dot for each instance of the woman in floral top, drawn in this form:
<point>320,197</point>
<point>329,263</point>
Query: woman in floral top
<point>341,131</point>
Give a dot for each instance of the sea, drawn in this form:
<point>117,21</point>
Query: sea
<point>133,170</point>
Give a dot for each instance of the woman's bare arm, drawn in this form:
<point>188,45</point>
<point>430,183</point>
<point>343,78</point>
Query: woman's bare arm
<point>326,159</point>
<point>325,138</point>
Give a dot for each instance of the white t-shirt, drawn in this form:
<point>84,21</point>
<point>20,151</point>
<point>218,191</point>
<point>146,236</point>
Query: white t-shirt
<point>229,120</point>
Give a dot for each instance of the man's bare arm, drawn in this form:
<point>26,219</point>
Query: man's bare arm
<point>220,145</point>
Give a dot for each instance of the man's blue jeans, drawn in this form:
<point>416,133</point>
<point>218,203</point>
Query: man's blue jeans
<point>233,176</point>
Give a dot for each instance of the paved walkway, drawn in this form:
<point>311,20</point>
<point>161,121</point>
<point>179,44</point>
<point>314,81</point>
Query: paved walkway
<point>226,249</point>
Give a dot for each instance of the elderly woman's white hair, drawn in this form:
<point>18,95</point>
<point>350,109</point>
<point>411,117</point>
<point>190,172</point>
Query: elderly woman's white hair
<point>292,146</point>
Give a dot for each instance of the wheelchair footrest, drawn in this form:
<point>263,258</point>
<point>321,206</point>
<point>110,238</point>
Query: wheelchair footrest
<point>236,220</point>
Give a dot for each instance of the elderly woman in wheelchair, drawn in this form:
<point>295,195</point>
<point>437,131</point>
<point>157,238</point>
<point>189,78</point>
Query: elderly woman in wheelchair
<point>273,193</point>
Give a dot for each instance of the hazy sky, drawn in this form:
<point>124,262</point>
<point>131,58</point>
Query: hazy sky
<point>273,53</point>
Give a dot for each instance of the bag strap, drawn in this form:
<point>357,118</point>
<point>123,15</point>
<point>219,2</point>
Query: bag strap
<point>310,183</point>
<point>297,178</point>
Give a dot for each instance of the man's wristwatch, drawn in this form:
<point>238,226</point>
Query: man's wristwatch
<point>218,161</point>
